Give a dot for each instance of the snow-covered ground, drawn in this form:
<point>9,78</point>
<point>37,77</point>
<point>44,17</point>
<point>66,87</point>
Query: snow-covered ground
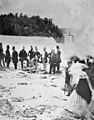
<point>25,95</point>
<point>32,95</point>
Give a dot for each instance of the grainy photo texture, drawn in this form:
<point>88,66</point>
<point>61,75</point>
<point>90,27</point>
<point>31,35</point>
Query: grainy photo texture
<point>46,59</point>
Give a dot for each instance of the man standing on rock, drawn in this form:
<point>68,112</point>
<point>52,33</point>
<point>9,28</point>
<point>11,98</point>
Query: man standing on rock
<point>23,56</point>
<point>44,59</point>
<point>52,61</point>
<point>7,56</point>
<point>31,55</point>
<point>58,58</point>
<point>36,57</point>
<point>14,57</point>
<point>2,56</point>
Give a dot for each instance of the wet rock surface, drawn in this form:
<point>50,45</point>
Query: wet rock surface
<point>33,96</point>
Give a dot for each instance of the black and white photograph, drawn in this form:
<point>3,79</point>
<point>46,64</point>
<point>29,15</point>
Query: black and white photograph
<point>46,59</point>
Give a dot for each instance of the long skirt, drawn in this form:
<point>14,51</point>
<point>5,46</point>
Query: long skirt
<point>77,105</point>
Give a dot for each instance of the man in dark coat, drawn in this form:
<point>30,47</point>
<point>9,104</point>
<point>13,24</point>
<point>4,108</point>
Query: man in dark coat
<point>31,53</point>
<point>14,57</point>
<point>23,56</point>
<point>2,55</point>
<point>37,53</point>
<point>58,58</point>
<point>7,56</point>
<point>52,61</point>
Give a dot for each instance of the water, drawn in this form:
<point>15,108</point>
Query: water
<point>19,42</point>
<point>80,47</point>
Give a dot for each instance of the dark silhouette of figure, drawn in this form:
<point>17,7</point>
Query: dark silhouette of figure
<point>31,53</point>
<point>7,56</point>
<point>23,56</point>
<point>58,58</point>
<point>14,57</point>
<point>2,56</point>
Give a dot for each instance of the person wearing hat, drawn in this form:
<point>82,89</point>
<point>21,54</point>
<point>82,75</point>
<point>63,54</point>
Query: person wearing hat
<point>31,55</point>
<point>52,61</point>
<point>58,58</point>
<point>36,57</point>
<point>44,59</point>
<point>23,56</point>
<point>7,56</point>
<point>14,57</point>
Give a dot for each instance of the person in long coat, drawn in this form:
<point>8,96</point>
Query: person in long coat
<point>7,56</point>
<point>23,57</point>
<point>14,57</point>
<point>36,57</point>
<point>31,56</point>
<point>44,59</point>
<point>52,61</point>
<point>58,58</point>
<point>2,56</point>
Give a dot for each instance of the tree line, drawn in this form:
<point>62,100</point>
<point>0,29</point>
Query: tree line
<point>23,25</point>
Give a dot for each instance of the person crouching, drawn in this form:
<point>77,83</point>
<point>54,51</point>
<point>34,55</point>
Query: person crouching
<point>52,61</point>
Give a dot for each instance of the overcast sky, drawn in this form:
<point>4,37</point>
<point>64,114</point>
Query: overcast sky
<point>65,13</point>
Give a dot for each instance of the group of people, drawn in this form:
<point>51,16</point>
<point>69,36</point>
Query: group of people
<point>6,58</point>
<point>33,57</point>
